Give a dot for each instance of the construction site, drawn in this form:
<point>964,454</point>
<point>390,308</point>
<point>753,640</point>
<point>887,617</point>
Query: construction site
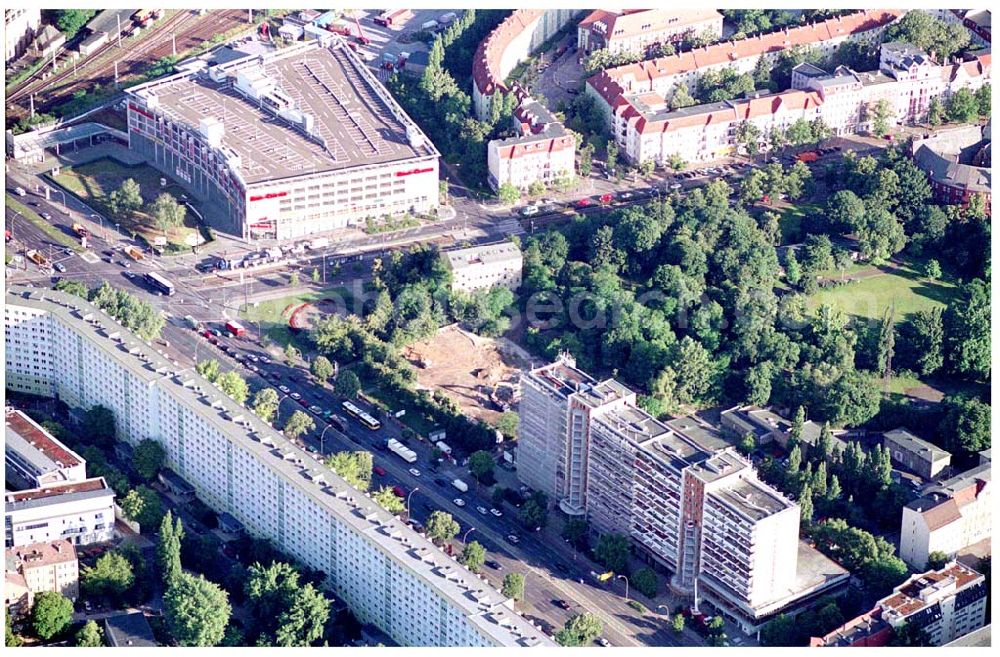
<point>480,374</point>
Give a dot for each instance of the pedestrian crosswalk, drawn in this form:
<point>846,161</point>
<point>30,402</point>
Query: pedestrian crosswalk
<point>510,226</point>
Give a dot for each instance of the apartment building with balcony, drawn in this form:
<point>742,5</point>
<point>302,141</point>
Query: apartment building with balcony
<point>82,512</point>
<point>34,458</point>
<point>950,516</point>
<point>389,575</point>
<point>947,603</point>
<point>635,30</point>
<point>47,566</point>
<point>542,151</point>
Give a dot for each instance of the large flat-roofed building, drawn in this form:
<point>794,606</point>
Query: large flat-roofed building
<point>82,512</point>
<point>951,516</point>
<point>388,574</point>
<point>946,604</point>
<point>301,141</point>
<point>49,566</point>
<point>635,30</point>
<point>485,267</point>
<point>914,454</point>
<point>690,504</point>
<point>34,458</point>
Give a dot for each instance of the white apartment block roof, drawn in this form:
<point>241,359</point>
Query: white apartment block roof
<point>483,255</point>
<point>34,498</point>
<point>303,110</point>
<point>37,446</point>
<point>751,499</point>
<point>484,607</point>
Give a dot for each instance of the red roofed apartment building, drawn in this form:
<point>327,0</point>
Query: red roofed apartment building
<point>635,30</point>
<point>949,517</point>
<point>508,45</point>
<point>544,151</point>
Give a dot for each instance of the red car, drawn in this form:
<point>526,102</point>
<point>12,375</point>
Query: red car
<point>303,403</point>
<point>206,334</point>
<point>398,490</point>
<point>379,470</point>
<point>606,198</point>
<point>582,203</point>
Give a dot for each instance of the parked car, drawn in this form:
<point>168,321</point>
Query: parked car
<point>296,396</point>
<point>284,389</point>
<point>495,565</point>
<point>315,409</point>
<point>496,512</point>
<point>513,538</point>
<point>562,604</point>
<point>529,211</point>
<point>482,510</point>
<point>379,470</point>
<point>459,502</point>
<point>582,203</point>
<point>601,641</point>
<point>399,491</point>
<point>414,472</point>
<point>59,267</point>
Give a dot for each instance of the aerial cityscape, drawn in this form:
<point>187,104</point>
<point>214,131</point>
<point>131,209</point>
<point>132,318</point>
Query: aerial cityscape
<point>498,327</point>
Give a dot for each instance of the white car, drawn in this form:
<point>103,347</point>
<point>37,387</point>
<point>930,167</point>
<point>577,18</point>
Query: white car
<point>496,512</point>
<point>284,389</point>
<point>482,510</point>
<point>253,358</point>
<point>414,472</point>
<point>265,360</point>
<point>316,409</point>
<point>459,501</point>
<point>296,396</point>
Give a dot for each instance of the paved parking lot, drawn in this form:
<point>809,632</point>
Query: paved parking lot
<point>394,39</point>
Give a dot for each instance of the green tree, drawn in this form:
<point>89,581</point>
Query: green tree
<point>965,427</point>
<point>111,576</point>
<point>937,560</point>
<point>793,272</point>
<point>880,114</point>
<point>935,112</point>
<point>354,467</point>
<point>473,556</point>
<point>886,342</point>
<point>99,426</point>
<point>168,548</point>
<point>266,403</point>
<point>646,582</point>
<point>922,338</point>
<point>388,500</point>
<point>677,623</point>
<point>910,635</point>
<point>481,465</point>
<point>747,444</point>
<point>984,96</point>
<point>748,136</point>
<point>89,636</point>
<point>967,331</point>
<point>575,530</point>
<point>51,614</point>
<point>148,457</point>
<point>293,279</point>
<point>612,155</point>
<point>962,107</point>
<point>166,212</point>
<point>929,34</point>
<point>513,586</point>
<point>298,424</point>
<point>209,369</point>
<point>507,424</point>
<point>612,552</point>
<point>291,353</point>
<point>932,270</point>
<point>322,368</point>
<point>536,188</point>
<point>234,385</point>
<point>806,505</point>
<point>315,275</point>
<point>347,384</point>
<point>681,97</point>
<point>70,286</point>
<point>779,631</point>
<point>508,194</point>
<point>585,160</point>
<point>151,512</point>
<point>646,168</point>
<point>131,505</point>
<point>125,200</point>
<point>11,640</point>
<point>196,611</point>
<point>441,526</point>
<point>71,21</point>
<point>580,630</point>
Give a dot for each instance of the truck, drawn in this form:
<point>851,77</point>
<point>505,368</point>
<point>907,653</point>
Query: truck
<point>133,252</point>
<point>20,191</point>
<point>319,243</point>
<point>429,26</point>
<point>401,450</point>
<point>80,230</point>
<point>808,156</point>
<point>37,258</point>
<point>443,446</point>
<point>460,485</point>
<point>389,18</point>
<point>235,329</point>
<point>191,321</point>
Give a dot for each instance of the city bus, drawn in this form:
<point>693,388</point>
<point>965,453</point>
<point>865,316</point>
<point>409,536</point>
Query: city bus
<point>361,416</point>
<point>159,283</point>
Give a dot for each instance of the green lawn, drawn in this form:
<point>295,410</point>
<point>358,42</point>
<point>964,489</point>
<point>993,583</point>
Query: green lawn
<point>50,230</point>
<point>273,319</point>
<point>870,297</point>
<point>791,222</point>
<point>94,181</point>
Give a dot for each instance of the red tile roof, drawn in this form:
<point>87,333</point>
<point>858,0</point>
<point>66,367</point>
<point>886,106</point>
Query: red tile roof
<point>611,83</point>
<point>906,600</point>
<point>632,21</point>
<point>551,145</point>
<point>486,63</point>
<point>740,109</point>
<point>40,439</point>
<point>37,555</point>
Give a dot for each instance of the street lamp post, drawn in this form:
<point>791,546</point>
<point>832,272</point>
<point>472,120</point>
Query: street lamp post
<point>626,585</point>
<point>466,536</point>
<point>408,501</point>
<point>322,443</point>
<point>665,613</point>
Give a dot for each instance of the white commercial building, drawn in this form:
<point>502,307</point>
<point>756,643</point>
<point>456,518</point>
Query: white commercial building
<point>301,141</point>
<point>19,29</point>
<point>949,517</point>
<point>388,574</point>
<point>635,30</point>
<point>34,458</point>
<point>485,267</point>
<point>946,604</point>
<point>82,512</point>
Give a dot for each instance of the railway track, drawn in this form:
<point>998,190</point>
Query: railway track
<point>184,27</point>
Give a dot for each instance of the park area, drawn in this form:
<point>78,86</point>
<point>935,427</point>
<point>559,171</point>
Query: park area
<point>274,317</point>
<point>479,373</point>
<point>94,182</point>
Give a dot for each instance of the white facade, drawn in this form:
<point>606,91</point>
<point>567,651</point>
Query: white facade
<point>50,566</point>
<point>82,512</point>
<point>636,30</point>
<point>947,603</point>
<point>485,267</point>
<point>20,27</point>
<point>388,575</point>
